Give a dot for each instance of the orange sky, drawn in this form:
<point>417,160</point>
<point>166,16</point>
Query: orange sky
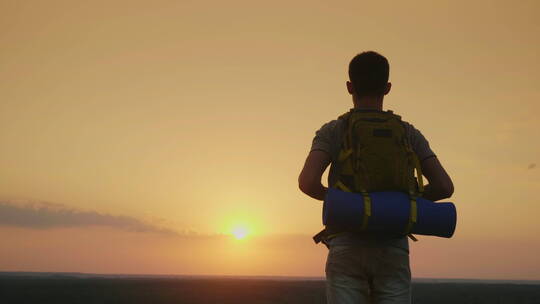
<point>150,130</point>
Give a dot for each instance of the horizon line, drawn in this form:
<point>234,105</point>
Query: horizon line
<point>46,274</point>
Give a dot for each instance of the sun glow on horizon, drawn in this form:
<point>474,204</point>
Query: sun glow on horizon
<point>240,232</point>
<point>241,225</point>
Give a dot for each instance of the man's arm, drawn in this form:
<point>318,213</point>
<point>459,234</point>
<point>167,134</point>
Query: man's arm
<point>440,185</point>
<point>309,180</point>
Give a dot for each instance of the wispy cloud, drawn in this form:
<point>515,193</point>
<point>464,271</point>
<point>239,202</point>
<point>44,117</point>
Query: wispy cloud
<point>44,215</point>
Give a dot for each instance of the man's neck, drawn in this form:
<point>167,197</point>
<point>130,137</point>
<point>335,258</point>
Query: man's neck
<point>368,103</point>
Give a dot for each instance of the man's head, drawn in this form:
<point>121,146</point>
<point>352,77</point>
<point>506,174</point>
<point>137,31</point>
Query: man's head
<point>368,74</point>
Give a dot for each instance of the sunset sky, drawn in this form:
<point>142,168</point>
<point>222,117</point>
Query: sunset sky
<point>136,136</point>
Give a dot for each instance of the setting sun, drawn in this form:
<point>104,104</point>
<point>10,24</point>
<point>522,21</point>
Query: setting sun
<point>240,233</point>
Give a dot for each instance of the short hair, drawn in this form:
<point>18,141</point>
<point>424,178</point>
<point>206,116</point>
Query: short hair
<point>368,72</point>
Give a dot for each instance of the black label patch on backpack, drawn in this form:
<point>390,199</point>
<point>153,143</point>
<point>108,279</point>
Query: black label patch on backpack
<point>382,132</point>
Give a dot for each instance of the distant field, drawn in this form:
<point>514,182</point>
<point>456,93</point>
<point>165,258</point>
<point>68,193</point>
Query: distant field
<point>74,288</point>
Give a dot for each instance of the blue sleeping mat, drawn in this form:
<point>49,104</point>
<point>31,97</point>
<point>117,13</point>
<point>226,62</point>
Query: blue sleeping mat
<point>390,211</point>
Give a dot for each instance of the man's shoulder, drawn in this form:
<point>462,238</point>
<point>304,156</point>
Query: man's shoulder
<point>419,143</point>
<point>335,124</point>
<point>408,126</point>
<point>328,137</point>
<point>410,129</point>
<point>331,125</point>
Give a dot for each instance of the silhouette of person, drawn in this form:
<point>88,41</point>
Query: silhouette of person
<point>368,267</point>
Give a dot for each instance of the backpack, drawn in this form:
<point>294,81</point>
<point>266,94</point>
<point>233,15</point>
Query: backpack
<point>375,155</point>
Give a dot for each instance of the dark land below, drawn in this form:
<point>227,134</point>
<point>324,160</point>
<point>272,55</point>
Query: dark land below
<point>59,288</point>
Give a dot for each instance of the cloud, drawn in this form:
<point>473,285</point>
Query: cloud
<point>44,215</point>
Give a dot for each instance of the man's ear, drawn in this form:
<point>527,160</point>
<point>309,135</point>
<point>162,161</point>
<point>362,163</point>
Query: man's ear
<point>350,87</point>
<point>388,87</point>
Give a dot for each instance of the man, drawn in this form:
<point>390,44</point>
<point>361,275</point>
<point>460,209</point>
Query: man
<point>368,267</point>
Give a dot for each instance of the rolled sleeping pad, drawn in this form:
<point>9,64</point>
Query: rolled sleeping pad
<point>390,211</point>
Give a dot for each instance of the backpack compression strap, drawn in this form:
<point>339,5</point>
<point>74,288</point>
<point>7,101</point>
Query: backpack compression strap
<point>347,145</point>
<point>414,192</point>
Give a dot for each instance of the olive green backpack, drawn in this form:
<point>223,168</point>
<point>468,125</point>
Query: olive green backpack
<point>375,155</point>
